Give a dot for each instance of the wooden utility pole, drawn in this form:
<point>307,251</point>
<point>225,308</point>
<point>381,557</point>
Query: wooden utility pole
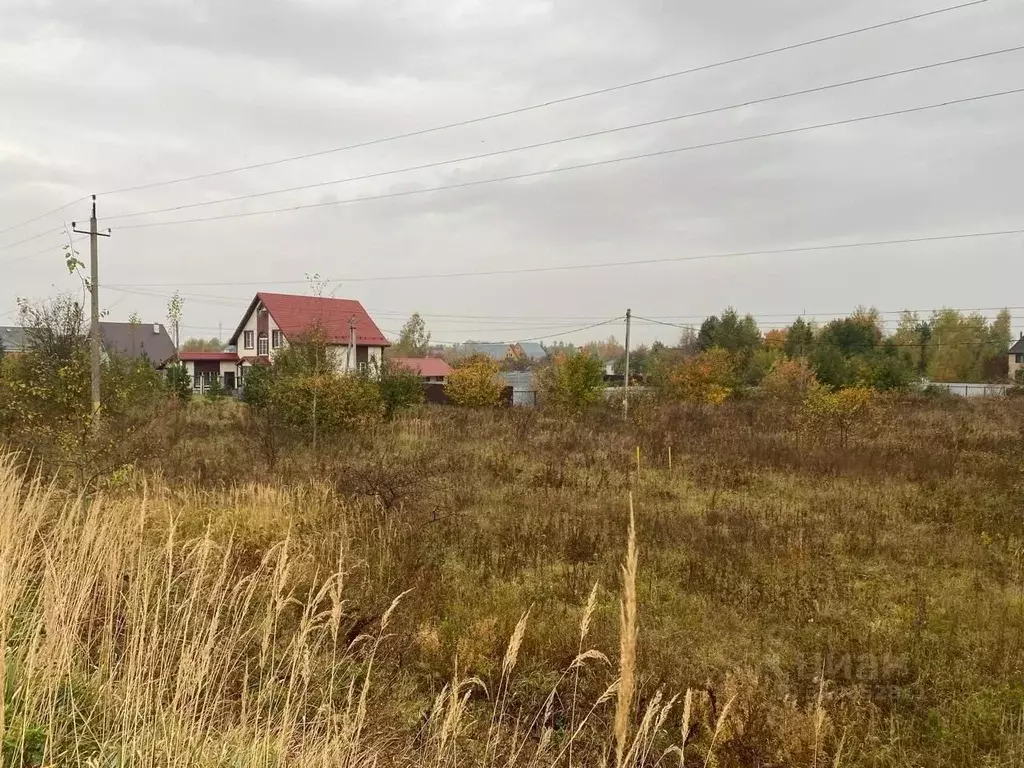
<point>94,313</point>
<point>625,398</point>
<point>351,362</point>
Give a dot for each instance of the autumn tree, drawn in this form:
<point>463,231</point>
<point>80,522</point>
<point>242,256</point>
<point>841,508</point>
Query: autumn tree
<point>303,397</point>
<point>839,414</point>
<point>967,347</point>
<point>913,336</point>
<point>475,383</point>
<point>414,338</point>
<point>202,345</point>
<point>175,309</point>
<point>45,401</point>
<point>606,351</point>
<point>572,382</point>
<point>706,378</point>
<point>790,380</point>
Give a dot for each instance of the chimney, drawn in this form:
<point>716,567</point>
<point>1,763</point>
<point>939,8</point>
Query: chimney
<point>156,328</point>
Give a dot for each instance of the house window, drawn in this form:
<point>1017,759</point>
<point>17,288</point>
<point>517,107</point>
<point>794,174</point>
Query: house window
<point>248,339</point>
<point>275,339</point>
<point>229,380</point>
<point>261,348</point>
<point>1020,358</point>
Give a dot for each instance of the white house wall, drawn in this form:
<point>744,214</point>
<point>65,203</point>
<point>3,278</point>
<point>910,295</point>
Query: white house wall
<point>250,325</point>
<point>339,354</point>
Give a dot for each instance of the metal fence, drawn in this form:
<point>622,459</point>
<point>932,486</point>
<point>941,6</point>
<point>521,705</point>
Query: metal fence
<point>964,389</point>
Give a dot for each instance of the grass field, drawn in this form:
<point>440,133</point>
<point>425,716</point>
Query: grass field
<point>415,596</point>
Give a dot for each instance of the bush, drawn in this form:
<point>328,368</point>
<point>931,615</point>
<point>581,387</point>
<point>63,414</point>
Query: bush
<point>790,380</point>
<point>320,405</point>
<point>474,383</point>
<point>215,391</point>
<point>839,413</point>
<point>399,388</point>
<point>179,383</point>
<point>256,386</point>
<point>706,378</point>
<point>572,381</point>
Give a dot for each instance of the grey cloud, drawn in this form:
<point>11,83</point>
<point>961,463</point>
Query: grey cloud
<point>107,94</point>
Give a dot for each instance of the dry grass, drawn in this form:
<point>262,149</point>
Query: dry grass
<point>126,643</point>
<point>785,600</point>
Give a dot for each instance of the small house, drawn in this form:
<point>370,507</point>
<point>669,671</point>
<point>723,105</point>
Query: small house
<point>204,368</point>
<point>432,370</point>
<point>1016,358</point>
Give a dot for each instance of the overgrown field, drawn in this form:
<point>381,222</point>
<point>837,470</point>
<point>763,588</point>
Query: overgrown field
<point>414,595</point>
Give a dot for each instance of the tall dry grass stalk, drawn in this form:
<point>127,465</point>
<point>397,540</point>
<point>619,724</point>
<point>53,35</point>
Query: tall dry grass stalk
<point>127,643</point>
<point>627,643</point>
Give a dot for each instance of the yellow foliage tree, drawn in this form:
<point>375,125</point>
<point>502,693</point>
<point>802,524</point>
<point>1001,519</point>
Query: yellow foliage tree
<point>790,380</point>
<point>705,378</point>
<point>474,383</point>
<point>839,413</point>
<point>572,382</point>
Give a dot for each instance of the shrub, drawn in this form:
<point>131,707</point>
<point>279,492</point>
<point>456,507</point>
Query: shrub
<point>790,380</point>
<point>399,388</point>
<point>474,383</point>
<point>706,378</point>
<point>179,383</point>
<point>215,391</point>
<point>572,381</point>
<point>256,386</point>
<point>839,413</point>
<point>319,405</point>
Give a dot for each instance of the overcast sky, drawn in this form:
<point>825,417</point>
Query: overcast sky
<point>98,96</point>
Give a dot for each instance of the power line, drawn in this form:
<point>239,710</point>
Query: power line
<point>509,341</point>
<point>47,249</point>
<point>565,139</point>
<point>612,264</point>
<point>8,246</point>
<point>448,317</point>
<point>590,164</point>
<point>566,333</point>
<point>553,102</point>
<point>12,227</point>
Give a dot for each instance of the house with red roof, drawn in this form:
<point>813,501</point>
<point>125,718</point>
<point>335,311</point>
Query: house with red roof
<point>204,367</point>
<point>272,319</point>
<point>432,370</point>
<point>354,341</point>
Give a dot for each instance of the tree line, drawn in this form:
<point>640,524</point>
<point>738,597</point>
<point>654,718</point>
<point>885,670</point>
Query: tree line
<point>847,351</point>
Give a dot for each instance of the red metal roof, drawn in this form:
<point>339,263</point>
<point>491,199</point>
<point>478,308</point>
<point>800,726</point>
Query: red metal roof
<point>424,366</point>
<point>296,315</point>
<point>197,356</point>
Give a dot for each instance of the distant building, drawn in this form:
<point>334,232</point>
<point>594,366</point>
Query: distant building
<point>1016,357</point>
<point>433,370</point>
<point>135,340</point>
<point>131,340</point>
<point>523,386</point>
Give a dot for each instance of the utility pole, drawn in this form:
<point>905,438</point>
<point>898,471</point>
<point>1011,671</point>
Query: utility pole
<point>625,399</point>
<point>351,343</point>
<point>94,320</point>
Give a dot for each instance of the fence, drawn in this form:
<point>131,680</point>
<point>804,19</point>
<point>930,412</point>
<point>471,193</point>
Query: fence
<point>964,389</point>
